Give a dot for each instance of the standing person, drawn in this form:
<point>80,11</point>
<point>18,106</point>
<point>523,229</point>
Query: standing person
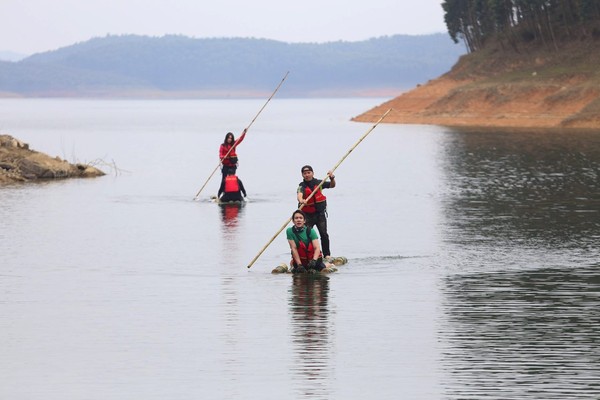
<point>315,209</point>
<point>304,245</point>
<point>229,161</point>
<point>231,189</point>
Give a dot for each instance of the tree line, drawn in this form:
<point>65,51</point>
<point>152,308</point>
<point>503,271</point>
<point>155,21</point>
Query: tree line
<point>547,22</point>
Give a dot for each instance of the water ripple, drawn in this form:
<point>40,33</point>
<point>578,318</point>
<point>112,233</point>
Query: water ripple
<point>521,334</point>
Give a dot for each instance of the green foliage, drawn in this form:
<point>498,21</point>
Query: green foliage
<point>548,22</point>
<point>179,63</point>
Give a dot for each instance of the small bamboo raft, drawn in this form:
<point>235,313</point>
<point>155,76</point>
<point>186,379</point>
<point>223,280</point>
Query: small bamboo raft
<point>215,199</point>
<point>330,266</point>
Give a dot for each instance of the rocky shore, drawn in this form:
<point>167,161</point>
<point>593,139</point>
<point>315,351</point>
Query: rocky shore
<point>18,163</point>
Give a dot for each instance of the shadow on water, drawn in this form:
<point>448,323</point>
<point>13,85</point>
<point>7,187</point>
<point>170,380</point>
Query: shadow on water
<point>522,334</point>
<point>522,190</point>
<point>309,309</point>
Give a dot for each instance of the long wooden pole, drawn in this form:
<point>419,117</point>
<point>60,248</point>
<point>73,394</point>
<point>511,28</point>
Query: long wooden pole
<point>248,127</point>
<point>287,221</point>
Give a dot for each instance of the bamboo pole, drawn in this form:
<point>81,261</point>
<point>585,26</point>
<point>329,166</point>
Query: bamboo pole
<point>245,130</point>
<point>287,221</point>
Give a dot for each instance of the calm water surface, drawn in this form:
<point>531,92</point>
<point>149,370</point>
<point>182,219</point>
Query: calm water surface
<point>473,268</point>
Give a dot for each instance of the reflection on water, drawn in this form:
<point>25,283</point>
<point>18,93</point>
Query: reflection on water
<point>311,335</point>
<point>522,335</point>
<point>521,228</point>
<point>229,214</point>
<point>523,190</point>
<point>473,260</point>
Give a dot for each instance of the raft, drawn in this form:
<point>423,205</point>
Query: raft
<point>216,200</point>
<point>233,203</point>
<point>331,266</point>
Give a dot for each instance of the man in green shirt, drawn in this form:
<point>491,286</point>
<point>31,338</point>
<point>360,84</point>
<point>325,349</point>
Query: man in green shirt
<point>304,245</point>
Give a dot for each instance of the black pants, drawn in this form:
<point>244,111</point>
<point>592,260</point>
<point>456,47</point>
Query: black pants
<point>319,219</point>
<point>228,170</point>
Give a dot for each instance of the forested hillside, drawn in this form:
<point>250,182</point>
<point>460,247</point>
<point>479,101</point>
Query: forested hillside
<point>514,23</point>
<point>532,63</point>
<point>121,65</point>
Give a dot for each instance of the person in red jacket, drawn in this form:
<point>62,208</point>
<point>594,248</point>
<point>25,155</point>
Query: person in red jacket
<point>227,154</point>
<point>315,208</point>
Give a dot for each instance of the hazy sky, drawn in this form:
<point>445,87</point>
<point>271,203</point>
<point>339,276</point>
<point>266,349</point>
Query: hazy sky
<point>30,26</point>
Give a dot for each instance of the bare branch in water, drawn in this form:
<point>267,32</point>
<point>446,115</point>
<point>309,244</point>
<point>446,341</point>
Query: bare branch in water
<point>112,166</point>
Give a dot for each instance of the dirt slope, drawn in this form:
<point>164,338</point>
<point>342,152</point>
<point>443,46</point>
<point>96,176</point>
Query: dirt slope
<point>533,88</point>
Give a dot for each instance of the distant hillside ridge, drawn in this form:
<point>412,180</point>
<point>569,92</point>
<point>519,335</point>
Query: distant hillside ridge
<point>132,65</point>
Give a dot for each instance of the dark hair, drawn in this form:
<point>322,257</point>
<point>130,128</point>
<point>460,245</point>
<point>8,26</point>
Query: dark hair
<point>299,212</point>
<point>232,138</point>
<point>308,167</point>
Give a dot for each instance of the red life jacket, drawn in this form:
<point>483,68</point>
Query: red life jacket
<point>231,184</point>
<point>305,252</point>
<point>317,198</point>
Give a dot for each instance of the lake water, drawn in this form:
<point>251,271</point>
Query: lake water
<point>473,258</point>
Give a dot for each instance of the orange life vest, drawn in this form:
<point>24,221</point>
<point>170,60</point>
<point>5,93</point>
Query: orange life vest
<point>231,184</point>
<point>319,197</point>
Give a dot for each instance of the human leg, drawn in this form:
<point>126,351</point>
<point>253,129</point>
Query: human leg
<point>311,219</point>
<point>320,265</point>
<point>322,227</point>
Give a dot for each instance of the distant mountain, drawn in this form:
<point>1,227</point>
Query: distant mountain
<point>179,65</point>
<point>11,56</point>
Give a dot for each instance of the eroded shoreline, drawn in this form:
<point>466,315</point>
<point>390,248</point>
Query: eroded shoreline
<point>18,163</point>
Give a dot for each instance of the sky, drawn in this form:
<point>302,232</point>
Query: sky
<point>32,26</point>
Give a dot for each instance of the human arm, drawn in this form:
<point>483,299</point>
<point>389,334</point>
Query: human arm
<point>331,179</point>
<point>317,246</point>
<point>300,195</point>
<point>241,138</point>
<point>242,189</point>
<point>314,238</point>
<point>223,150</point>
<point>221,188</point>
<point>294,250</point>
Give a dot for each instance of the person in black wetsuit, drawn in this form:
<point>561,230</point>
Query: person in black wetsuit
<point>231,189</point>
